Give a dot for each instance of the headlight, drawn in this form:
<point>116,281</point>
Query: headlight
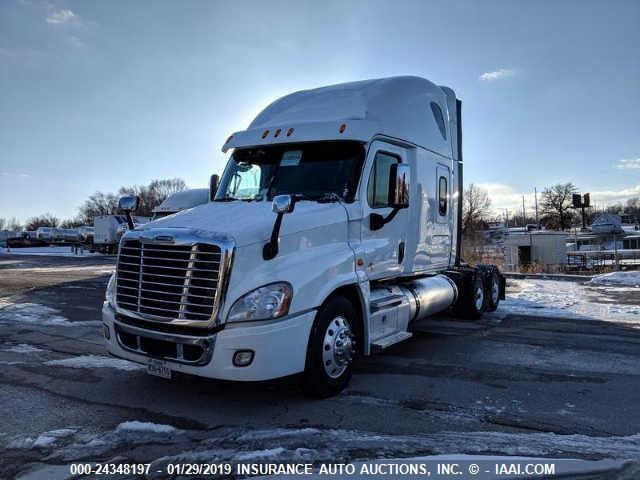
<point>110,294</point>
<point>264,303</point>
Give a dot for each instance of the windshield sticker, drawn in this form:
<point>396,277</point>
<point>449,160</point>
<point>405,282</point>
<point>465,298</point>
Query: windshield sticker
<point>291,158</point>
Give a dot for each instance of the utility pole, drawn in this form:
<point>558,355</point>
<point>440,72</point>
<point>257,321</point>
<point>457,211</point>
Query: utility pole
<point>524,215</point>
<point>506,216</point>
<point>535,192</point>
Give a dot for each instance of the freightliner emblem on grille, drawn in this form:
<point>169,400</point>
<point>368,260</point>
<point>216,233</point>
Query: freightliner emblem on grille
<point>164,238</point>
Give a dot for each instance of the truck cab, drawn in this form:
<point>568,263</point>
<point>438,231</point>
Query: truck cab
<point>334,227</point>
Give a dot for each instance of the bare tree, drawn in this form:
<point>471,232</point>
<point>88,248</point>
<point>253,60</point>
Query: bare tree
<point>3,223</point>
<point>475,208</point>
<point>153,194</point>
<point>632,207</point>
<point>72,223</point>
<point>14,224</point>
<point>46,220</point>
<point>556,206</point>
<point>98,204</point>
<point>161,189</point>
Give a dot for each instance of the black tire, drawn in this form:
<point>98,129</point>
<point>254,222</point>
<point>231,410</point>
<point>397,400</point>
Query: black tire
<point>469,305</point>
<point>325,334</point>
<point>492,292</point>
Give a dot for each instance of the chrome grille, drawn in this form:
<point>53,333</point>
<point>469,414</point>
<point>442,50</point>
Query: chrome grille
<point>168,281</point>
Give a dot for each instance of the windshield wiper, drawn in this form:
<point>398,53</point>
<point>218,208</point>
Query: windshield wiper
<point>327,197</point>
<point>225,199</point>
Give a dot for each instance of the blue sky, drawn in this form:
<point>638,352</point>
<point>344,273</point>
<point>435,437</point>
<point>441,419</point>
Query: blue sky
<point>96,94</point>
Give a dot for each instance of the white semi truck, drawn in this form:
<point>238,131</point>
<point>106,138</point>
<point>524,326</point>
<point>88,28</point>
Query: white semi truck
<point>335,226</point>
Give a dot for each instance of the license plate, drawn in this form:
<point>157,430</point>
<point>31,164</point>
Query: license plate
<point>159,368</point>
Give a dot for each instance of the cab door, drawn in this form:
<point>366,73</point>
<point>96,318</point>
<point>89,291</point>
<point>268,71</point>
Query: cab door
<point>384,248</point>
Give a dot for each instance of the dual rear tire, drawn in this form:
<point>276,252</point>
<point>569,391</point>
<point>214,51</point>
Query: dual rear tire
<point>479,292</point>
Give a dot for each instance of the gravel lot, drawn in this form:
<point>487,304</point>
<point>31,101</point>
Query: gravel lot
<point>507,385</point>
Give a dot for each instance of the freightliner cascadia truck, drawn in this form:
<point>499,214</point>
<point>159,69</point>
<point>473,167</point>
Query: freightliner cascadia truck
<point>333,228</point>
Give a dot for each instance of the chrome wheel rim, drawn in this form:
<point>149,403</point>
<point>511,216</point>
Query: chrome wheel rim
<point>495,290</point>
<point>479,297</point>
<point>337,347</point>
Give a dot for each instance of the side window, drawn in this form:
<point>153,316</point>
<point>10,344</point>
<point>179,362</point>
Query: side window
<point>442,196</point>
<point>437,114</point>
<point>378,188</point>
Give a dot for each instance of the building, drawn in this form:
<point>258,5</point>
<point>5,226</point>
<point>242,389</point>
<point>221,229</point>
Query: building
<point>542,247</point>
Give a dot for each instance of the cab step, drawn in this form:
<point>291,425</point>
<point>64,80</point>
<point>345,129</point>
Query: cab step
<point>389,340</point>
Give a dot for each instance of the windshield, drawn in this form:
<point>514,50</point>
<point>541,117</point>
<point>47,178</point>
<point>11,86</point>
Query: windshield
<point>313,169</point>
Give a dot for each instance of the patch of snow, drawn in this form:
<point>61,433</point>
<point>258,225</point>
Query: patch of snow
<point>276,433</point>
<point>44,440</point>
<point>97,269</point>
<point>95,361</point>
<point>37,315</point>
<point>57,251</point>
<point>31,313</point>
<point>59,472</point>
<point>558,299</point>
<point>259,454</point>
<point>136,426</point>
<point>629,279</point>
<point>23,348</point>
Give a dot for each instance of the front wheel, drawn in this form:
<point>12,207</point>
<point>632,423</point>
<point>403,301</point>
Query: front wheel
<point>331,349</point>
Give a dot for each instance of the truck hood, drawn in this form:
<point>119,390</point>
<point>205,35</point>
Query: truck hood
<point>251,222</point>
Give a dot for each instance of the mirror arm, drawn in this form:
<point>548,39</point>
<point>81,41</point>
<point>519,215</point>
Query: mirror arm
<point>270,249</point>
<point>127,214</point>
<point>377,221</point>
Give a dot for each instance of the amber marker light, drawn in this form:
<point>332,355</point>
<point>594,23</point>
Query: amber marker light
<point>290,131</point>
<point>342,128</point>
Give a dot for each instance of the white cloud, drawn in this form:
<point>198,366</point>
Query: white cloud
<point>62,16</point>
<point>15,175</point>
<point>613,196</point>
<point>506,197</point>
<point>628,164</point>
<point>497,74</point>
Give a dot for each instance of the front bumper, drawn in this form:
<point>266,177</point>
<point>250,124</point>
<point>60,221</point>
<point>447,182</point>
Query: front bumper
<point>280,347</point>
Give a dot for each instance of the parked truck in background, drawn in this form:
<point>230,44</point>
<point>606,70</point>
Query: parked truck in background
<point>179,201</point>
<point>335,226</point>
<point>108,229</point>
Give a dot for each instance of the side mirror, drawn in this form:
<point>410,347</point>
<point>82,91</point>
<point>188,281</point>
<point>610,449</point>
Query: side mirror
<point>282,204</point>
<point>399,185</point>
<point>213,186</point>
<point>129,203</point>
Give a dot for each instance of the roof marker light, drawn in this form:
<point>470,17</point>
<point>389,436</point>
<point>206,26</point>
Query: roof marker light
<point>265,133</point>
<point>277,134</point>
<point>290,131</point>
<point>342,128</point>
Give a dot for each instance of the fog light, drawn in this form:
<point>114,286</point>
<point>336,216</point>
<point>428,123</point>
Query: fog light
<point>243,358</point>
<point>107,332</point>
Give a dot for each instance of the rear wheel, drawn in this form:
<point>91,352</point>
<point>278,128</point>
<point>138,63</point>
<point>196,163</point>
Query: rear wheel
<point>471,303</point>
<point>493,292</point>
<point>331,349</point>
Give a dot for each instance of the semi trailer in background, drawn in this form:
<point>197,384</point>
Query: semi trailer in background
<point>335,227</point>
